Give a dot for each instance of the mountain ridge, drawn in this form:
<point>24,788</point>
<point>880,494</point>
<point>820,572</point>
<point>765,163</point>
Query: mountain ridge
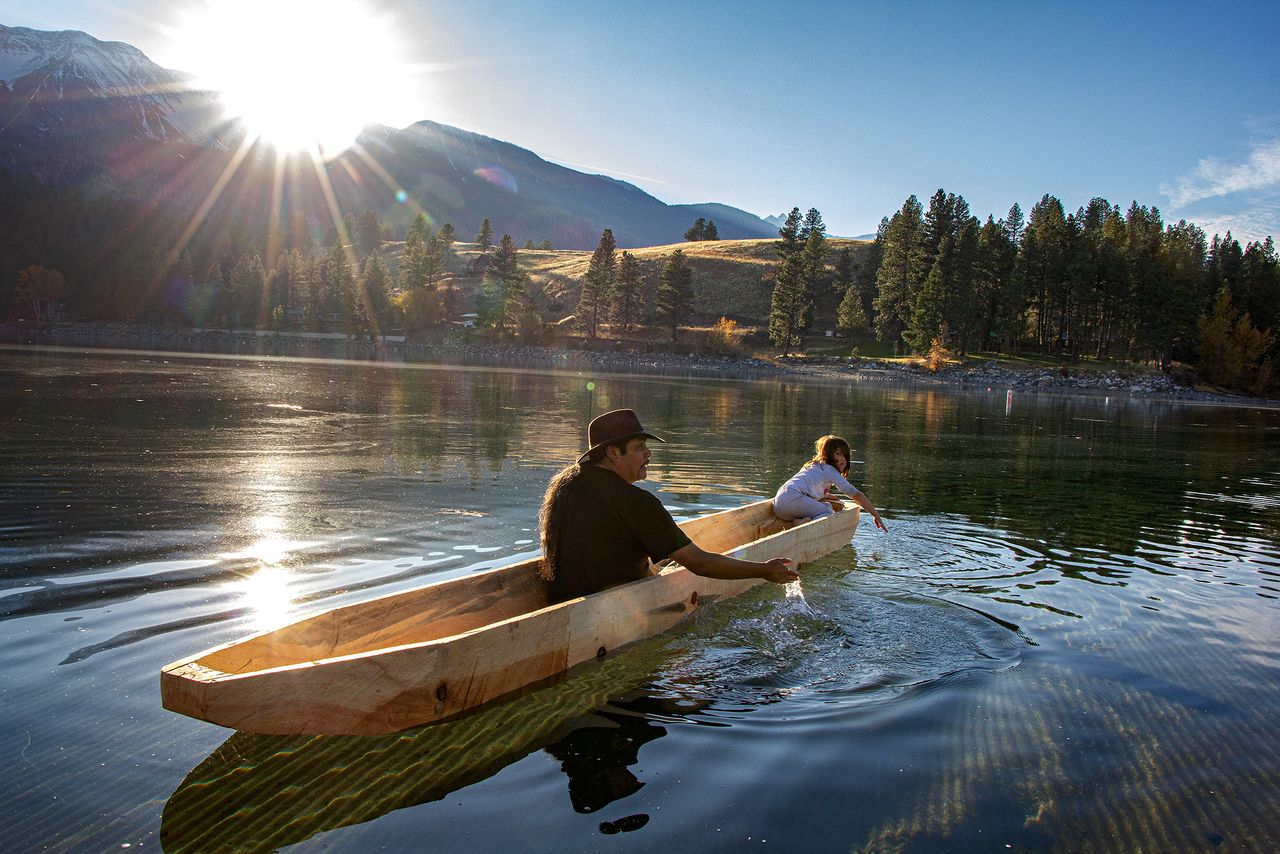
<point>98,116</point>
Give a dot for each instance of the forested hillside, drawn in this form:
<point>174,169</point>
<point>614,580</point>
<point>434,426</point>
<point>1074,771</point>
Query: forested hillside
<point>1100,282</point>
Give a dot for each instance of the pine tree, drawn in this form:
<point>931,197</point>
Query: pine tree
<point>711,232</point>
<point>298,235</point>
<point>485,236</point>
<point>423,262</point>
<point>339,291</point>
<point>1014,222</point>
<point>376,295</point>
<point>597,285</point>
<point>628,298</point>
<point>926,311</point>
<point>283,287</point>
<point>814,263</point>
<point>368,236</point>
<point>447,235</point>
<point>1183,253</point>
<point>1043,264</point>
<point>418,231</point>
<point>503,302</point>
<point>812,222</point>
<point>962,306</point>
<point>993,296</point>
<point>697,231</point>
<point>941,221</point>
<point>1144,237</point>
<point>489,302</point>
<point>1260,283</point>
<point>674,296</point>
<point>215,283</point>
<point>950,243</point>
<point>851,316</point>
<point>1095,296</point>
<point>248,291</point>
<point>865,273</point>
<point>789,301</point>
<point>504,260</point>
<point>903,268</point>
<point>517,311</point>
<point>843,271</point>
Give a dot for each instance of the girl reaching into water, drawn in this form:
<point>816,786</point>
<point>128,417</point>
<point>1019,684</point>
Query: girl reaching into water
<point>806,495</point>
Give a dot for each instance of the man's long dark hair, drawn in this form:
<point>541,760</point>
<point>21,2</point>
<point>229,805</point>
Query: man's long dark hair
<point>556,504</point>
<point>555,507</point>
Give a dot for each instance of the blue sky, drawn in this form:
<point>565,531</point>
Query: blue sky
<point>847,107</point>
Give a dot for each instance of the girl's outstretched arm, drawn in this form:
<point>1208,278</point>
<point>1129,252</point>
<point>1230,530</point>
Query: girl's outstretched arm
<point>865,503</point>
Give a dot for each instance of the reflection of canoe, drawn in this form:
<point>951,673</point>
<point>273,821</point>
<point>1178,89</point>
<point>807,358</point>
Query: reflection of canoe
<point>431,653</point>
<point>264,792</point>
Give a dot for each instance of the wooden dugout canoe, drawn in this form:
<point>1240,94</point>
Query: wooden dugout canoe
<point>431,653</point>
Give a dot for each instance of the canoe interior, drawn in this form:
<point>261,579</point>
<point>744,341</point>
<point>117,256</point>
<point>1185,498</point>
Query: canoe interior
<point>447,608</point>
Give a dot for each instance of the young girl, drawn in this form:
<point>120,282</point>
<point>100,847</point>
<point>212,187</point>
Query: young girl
<point>805,495</point>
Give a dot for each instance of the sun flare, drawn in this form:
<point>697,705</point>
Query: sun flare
<point>298,74</point>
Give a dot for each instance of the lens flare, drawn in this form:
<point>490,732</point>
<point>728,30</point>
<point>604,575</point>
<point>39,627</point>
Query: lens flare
<point>499,177</point>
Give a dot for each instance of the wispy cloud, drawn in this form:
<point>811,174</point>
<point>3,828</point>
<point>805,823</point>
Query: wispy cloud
<point>602,170</point>
<point>1213,177</point>
<point>1256,223</point>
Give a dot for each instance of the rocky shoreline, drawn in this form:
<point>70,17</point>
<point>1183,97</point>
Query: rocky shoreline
<point>453,349</point>
<point>990,375</point>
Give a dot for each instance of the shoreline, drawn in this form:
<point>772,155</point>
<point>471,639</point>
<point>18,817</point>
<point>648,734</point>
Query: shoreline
<point>451,350</point>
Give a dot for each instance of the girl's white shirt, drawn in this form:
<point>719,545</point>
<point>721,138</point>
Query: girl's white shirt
<point>813,480</point>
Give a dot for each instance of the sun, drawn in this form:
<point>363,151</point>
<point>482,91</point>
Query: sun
<point>301,75</point>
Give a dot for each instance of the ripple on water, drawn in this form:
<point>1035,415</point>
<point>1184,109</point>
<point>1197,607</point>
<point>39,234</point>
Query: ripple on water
<point>846,642</point>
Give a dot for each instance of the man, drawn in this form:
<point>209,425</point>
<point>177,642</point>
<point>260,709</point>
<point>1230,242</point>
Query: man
<point>599,530</point>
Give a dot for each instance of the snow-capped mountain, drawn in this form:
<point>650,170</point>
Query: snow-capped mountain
<point>52,73</point>
<point>102,117</point>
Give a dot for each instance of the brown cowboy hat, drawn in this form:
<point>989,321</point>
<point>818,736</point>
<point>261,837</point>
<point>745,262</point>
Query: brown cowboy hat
<point>614,427</point>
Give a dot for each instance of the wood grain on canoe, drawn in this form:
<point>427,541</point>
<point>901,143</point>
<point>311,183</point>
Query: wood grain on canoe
<point>434,652</point>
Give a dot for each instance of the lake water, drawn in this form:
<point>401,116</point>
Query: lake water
<point>1067,641</point>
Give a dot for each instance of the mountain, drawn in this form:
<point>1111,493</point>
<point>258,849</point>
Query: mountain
<point>99,116</point>
<point>72,106</point>
<point>463,177</point>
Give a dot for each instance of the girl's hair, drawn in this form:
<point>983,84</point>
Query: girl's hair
<point>825,451</point>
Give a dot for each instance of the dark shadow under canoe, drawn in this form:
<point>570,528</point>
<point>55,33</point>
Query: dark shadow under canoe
<point>262,792</point>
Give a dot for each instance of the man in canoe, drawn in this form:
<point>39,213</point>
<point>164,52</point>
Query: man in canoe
<point>598,529</point>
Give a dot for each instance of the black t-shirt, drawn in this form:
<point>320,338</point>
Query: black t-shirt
<point>611,530</point>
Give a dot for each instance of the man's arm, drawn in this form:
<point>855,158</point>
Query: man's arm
<point>714,565</point>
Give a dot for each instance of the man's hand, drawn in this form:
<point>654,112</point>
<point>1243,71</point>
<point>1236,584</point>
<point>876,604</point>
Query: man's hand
<point>779,571</point>
<point>715,565</point>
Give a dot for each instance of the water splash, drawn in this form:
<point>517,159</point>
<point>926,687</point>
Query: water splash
<point>795,598</point>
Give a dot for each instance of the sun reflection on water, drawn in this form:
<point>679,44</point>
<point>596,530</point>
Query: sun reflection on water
<point>266,593</point>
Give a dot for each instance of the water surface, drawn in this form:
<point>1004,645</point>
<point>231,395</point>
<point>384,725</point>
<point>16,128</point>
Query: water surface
<point>1067,641</point>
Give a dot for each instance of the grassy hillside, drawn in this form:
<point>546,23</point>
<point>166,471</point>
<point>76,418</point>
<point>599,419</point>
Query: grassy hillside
<point>731,278</point>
